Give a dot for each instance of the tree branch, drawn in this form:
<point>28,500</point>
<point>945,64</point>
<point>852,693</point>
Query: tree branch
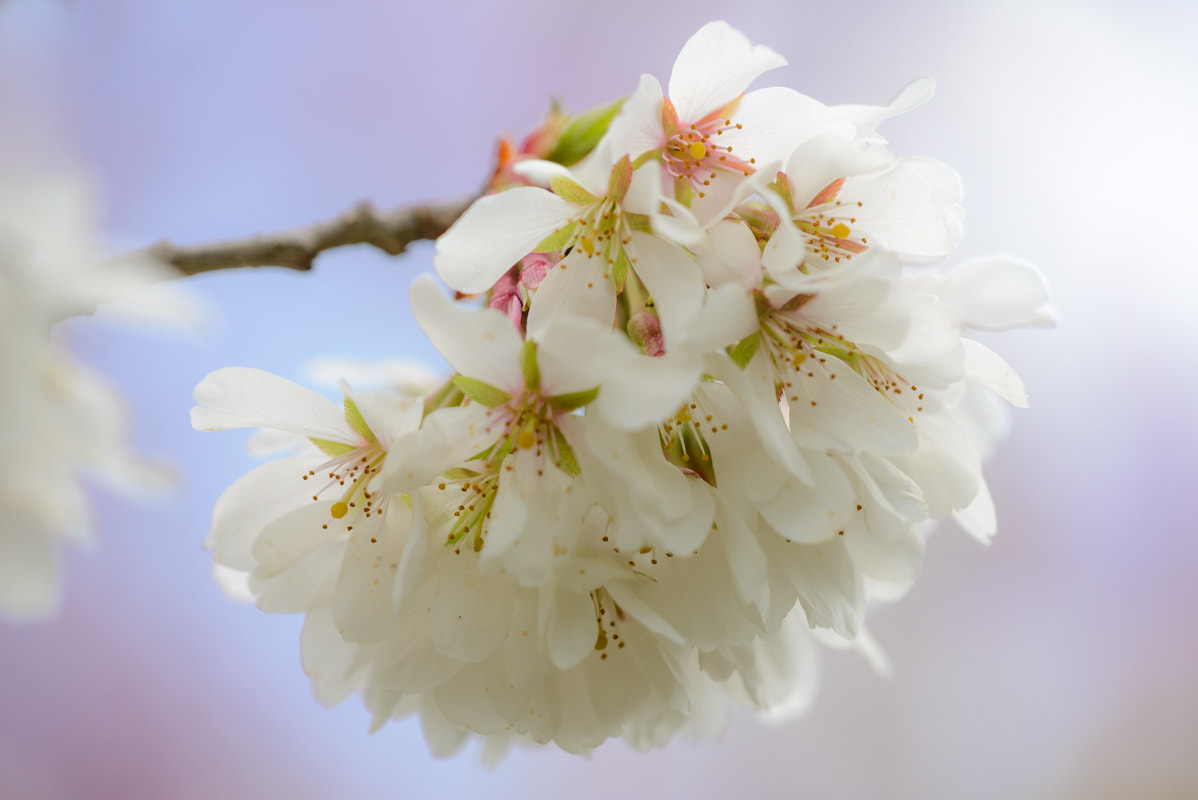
<point>390,232</point>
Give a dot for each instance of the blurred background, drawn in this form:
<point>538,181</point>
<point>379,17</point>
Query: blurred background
<point>1059,662</point>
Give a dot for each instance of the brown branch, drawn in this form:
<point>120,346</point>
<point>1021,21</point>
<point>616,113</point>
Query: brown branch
<point>391,232</point>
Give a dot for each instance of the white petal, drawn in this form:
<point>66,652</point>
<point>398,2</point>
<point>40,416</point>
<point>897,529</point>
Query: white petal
<point>715,67</point>
<point>495,232</point>
<point>579,286</point>
<point>910,97</point>
<point>996,293</point>
<point>638,128</point>
<point>257,498</point>
<point>989,369</point>
<point>241,397</point>
<point>902,213</point>
<point>732,255</point>
<point>479,343</point>
<point>979,519</point>
<point>29,587</point>
<point>572,629</point>
<point>448,436</point>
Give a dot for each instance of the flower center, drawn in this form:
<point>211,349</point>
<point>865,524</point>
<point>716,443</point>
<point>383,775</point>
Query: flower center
<point>828,223</point>
<point>697,154</point>
<point>352,470</point>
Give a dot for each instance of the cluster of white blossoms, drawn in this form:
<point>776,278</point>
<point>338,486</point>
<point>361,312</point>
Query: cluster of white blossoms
<point>706,411</point>
<point>61,420</point>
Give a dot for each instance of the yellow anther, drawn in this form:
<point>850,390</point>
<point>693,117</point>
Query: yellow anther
<point>840,230</point>
<point>526,439</point>
<point>698,150</point>
<point>587,245</point>
<point>339,510</point>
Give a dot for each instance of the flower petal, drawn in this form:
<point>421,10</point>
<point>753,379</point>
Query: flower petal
<point>496,232</point>
<point>478,343</point>
<point>715,67</point>
<point>241,397</point>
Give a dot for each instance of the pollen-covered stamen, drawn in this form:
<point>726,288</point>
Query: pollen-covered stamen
<point>698,153</point>
<point>684,442</point>
<point>471,495</point>
<point>352,470</point>
<point>830,224</point>
<point>794,346</point>
<point>608,615</point>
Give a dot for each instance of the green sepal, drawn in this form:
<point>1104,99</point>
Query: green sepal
<point>565,454</point>
<point>407,499</point>
<point>354,417</point>
<point>532,373</point>
<point>620,180</point>
<point>459,474</point>
<point>573,400</point>
<point>331,448</point>
<point>481,393</point>
<point>582,133</point>
<point>558,239</point>
<point>760,218</point>
<point>745,349</point>
<point>619,270</point>
<point>639,222</point>
<point>502,449</point>
<point>781,187</point>
<point>448,396</point>
<point>683,191</point>
<point>568,190</point>
<point>645,157</point>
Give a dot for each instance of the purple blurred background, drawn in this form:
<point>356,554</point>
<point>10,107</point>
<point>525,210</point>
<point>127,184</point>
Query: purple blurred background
<point>1059,662</point>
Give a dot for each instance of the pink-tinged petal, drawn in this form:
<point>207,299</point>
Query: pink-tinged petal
<point>979,519</point>
<point>715,67</point>
<point>496,232</point>
<point>990,370</point>
<point>638,129</point>
<point>579,286</point>
<point>241,397</point>
<point>478,343</point>
<point>996,293</point>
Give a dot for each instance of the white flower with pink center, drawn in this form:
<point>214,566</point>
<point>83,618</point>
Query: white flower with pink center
<point>709,133</point>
